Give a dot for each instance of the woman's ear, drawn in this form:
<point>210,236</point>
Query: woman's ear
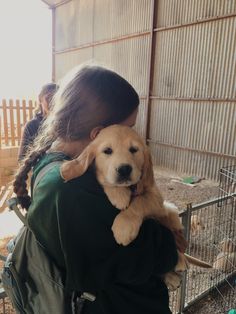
<point>95,132</point>
<point>78,166</point>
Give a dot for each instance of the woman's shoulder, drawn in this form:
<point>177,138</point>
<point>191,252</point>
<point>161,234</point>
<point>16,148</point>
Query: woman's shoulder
<point>48,169</point>
<point>34,122</point>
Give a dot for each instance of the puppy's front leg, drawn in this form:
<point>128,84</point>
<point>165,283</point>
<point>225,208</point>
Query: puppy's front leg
<point>128,222</point>
<point>118,196</point>
<point>126,226</point>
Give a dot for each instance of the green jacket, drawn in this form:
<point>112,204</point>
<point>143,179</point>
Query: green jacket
<point>73,222</point>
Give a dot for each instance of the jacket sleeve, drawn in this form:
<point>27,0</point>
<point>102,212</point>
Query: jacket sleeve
<point>93,259</point>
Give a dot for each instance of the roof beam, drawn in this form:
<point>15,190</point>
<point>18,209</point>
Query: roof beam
<point>51,5</point>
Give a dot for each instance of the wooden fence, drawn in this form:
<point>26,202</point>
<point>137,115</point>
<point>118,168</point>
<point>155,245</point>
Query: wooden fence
<point>13,116</point>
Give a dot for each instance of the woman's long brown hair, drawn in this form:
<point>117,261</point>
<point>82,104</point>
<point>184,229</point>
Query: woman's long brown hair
<point>88,97</point>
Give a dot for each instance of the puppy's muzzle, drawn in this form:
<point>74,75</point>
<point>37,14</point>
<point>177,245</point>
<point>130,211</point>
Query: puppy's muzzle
<point>124,172</point>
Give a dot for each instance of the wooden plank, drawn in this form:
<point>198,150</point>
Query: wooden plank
<point>14,106</point>
<point>12,124</point>
<point>5,127</point>
<point>24,111</point>
<point>18,125</point>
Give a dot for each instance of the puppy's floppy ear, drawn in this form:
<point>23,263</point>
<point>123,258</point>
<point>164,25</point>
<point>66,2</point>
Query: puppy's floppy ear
<point>78,166</point>
<point>147,179</point>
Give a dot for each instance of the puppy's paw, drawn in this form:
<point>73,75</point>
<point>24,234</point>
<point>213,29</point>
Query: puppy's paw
<point>173,280</point>
<point>182,264</point>
<point>119,197</point>
<point>126,227</point>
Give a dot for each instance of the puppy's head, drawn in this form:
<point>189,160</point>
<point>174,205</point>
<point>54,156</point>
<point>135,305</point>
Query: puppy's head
<point>120,155</point>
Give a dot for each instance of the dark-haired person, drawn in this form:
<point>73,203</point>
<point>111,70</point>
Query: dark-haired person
<point>31,128</point>
<point>73,220</point>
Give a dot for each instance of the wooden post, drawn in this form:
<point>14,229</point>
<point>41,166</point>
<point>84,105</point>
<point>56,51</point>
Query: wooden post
<point>4,109</point>
<point>12,124</point>
<point>24,111</point>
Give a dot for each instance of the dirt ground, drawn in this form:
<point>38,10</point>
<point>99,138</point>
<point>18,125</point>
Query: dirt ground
<point>181,194</point>
<point>215,302</point>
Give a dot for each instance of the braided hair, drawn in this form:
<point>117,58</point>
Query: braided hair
<point>89,96</point>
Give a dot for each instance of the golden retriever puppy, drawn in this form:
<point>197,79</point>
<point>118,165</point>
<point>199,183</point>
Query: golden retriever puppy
<point>197,224</point>
<point>226,259</point>
<point>124,169</point>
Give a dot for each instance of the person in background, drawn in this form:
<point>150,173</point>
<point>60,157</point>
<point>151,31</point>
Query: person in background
<point>31,128</point>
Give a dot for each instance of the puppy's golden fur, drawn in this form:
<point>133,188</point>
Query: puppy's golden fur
<point>123,163</point>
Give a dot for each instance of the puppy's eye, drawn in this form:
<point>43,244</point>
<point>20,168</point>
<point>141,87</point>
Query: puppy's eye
<point>107,151</point>
<point>133,149</point>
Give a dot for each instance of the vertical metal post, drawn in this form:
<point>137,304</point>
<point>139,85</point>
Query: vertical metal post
<point>151,59</point>
<point>186,220</point>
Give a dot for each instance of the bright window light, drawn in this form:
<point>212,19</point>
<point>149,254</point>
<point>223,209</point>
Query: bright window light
<point>25,48</point>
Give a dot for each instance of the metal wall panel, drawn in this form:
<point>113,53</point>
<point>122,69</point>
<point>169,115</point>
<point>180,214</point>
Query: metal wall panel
<point>129,58</point>
<point>187,84</point>
<point>188,162</point>
<point>196,134</point>
<point>114,18</point>
<point>140,126</point>
<point>205,126</point>
<point>193,107</point>
<point>197,61</point>
<point>175,12</point>
<point>74,24</point>
<point>65,62</point>
<point>80,22</point>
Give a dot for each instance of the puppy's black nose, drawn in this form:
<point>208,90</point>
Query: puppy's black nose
<point>124,170</point>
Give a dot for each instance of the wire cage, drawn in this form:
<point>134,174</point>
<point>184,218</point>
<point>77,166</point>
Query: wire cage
<point>211,234</point>
<point>227,186</point>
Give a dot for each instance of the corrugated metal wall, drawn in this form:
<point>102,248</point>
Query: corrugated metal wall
<point>180,57</point>
<point>113,33</point>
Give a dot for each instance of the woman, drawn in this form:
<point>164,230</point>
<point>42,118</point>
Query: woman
<point>32,127</point>
<point>73,220</point>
